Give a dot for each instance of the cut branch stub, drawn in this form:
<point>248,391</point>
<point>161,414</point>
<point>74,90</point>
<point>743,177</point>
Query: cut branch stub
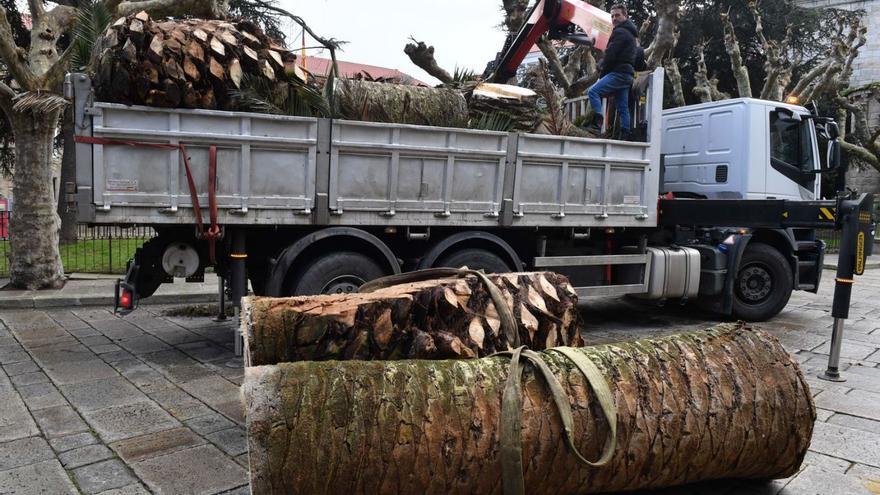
<point>423,56</point>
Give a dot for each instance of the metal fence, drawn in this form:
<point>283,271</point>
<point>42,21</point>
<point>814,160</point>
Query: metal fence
<point>97,249</point>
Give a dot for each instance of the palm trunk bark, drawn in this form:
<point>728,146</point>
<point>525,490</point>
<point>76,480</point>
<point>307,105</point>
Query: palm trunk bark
<point>34,262</point>
<point>728,402</point>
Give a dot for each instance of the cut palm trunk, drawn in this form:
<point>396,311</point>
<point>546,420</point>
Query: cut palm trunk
<point>728,402</point>
<point>399,103</point>
<point>190,63</point>
<point>433,319</point>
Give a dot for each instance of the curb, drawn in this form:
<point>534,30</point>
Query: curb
<point>58,301</point>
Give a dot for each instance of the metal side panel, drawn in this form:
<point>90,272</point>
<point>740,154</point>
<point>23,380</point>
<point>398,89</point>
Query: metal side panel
<point>264,162</point>
<point>390,173</point>
<point>580,182</point>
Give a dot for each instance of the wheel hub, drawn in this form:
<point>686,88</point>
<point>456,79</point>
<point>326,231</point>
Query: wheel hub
<point>343,284</point>
<point>755,283</point>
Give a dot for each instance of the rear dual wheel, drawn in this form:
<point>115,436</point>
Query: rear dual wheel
<point>334,273</point>
<point>763,284</point>
<point>344,272</point>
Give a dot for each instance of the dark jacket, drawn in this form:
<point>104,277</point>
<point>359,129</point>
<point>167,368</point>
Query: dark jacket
<point>621,51</point>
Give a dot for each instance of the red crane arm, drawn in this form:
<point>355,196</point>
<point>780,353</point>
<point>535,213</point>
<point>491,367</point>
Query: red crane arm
<point>557,17</point>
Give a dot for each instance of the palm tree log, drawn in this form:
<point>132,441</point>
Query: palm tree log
<point>432,319</point>
<point>371,101</point>
<point>727,402</point>
<point>189,63</point>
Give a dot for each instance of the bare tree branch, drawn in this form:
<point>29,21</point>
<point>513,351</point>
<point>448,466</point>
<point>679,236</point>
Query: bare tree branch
<point>43,53</point>
<point>664,40</point>
<point>702,89</point>
<point>860,129</point>
<point>861,153</point>
<point>731,45</point>
<point>643,29</point>
<point>553,62</point>
<point>423,56</point>
<point>54,77</point>
<point>331,44</point>
<point>514,14</point>
<point>674,75</point>
<point>37,10</point>
<point>12,55</point>
<point>580,86</point>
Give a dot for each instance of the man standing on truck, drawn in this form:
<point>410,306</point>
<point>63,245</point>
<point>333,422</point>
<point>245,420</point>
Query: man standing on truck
<point>616,72</point>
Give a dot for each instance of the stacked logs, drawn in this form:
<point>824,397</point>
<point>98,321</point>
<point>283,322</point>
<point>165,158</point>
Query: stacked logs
<point>184,63</point>
<point>432,319</point>
<point>728,402</point>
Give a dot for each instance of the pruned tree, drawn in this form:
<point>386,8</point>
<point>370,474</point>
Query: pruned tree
<point>31,75</point>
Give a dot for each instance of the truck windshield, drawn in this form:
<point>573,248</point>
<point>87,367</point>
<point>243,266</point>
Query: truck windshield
<point>791,149</point>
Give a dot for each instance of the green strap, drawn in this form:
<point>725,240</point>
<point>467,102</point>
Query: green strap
<point>602,391</point>
<point>511,412</point>
<point>505,313</point>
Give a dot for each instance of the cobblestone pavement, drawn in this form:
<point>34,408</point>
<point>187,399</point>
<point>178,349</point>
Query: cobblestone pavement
<point>92,403</point>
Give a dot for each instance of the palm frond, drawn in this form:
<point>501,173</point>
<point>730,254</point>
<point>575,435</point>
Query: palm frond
<point>92,18</point>
<point>493,121</point>
<point>462,76</point>
<point>293,97</point>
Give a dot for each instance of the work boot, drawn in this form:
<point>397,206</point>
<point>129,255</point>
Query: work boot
<point>627,135</point>
<point>595,126</point>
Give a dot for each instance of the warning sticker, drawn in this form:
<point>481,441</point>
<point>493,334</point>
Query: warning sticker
<point>632,200</point>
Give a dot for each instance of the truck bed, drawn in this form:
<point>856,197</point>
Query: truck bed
<point>281,170</point>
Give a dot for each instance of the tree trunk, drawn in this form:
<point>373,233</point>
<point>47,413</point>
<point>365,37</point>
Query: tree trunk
<point>740,71</point>
<point>34,262</point>
<point>68,174</point>
<point>433,319</point>
<point>400,103</point>
<point>674,75</point>
<point>728,402</point>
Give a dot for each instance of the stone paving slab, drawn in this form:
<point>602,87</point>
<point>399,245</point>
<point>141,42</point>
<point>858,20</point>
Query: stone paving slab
<point>165,442</point>
<point>129,420</point>
<point>150,403</point>
<point>41,478</point>
<point>200,470</point>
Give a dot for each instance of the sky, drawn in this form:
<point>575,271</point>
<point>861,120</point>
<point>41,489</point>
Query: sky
<point>464,33</point>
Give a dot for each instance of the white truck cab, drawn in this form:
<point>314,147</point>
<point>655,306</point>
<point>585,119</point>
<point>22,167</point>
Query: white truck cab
<point>742,148</point>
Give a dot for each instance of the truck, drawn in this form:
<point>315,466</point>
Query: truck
<point>719,203</point>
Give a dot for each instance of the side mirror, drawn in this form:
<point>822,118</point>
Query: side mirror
<point>832,131</point>
<point>833,154</point>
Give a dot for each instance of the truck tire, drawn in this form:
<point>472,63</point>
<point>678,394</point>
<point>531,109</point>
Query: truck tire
<point>763,284</point>
<point>333,273</point>
<point>475,259</point>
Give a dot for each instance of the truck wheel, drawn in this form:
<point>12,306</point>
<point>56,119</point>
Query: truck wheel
<point>475,259</point>
<point>763,285</point>
<point>333,273</point>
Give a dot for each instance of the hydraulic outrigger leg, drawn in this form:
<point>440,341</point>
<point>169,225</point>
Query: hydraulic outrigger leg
<point>856,244</point>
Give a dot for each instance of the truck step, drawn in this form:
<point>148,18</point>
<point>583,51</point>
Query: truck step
<point>807,246</point>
